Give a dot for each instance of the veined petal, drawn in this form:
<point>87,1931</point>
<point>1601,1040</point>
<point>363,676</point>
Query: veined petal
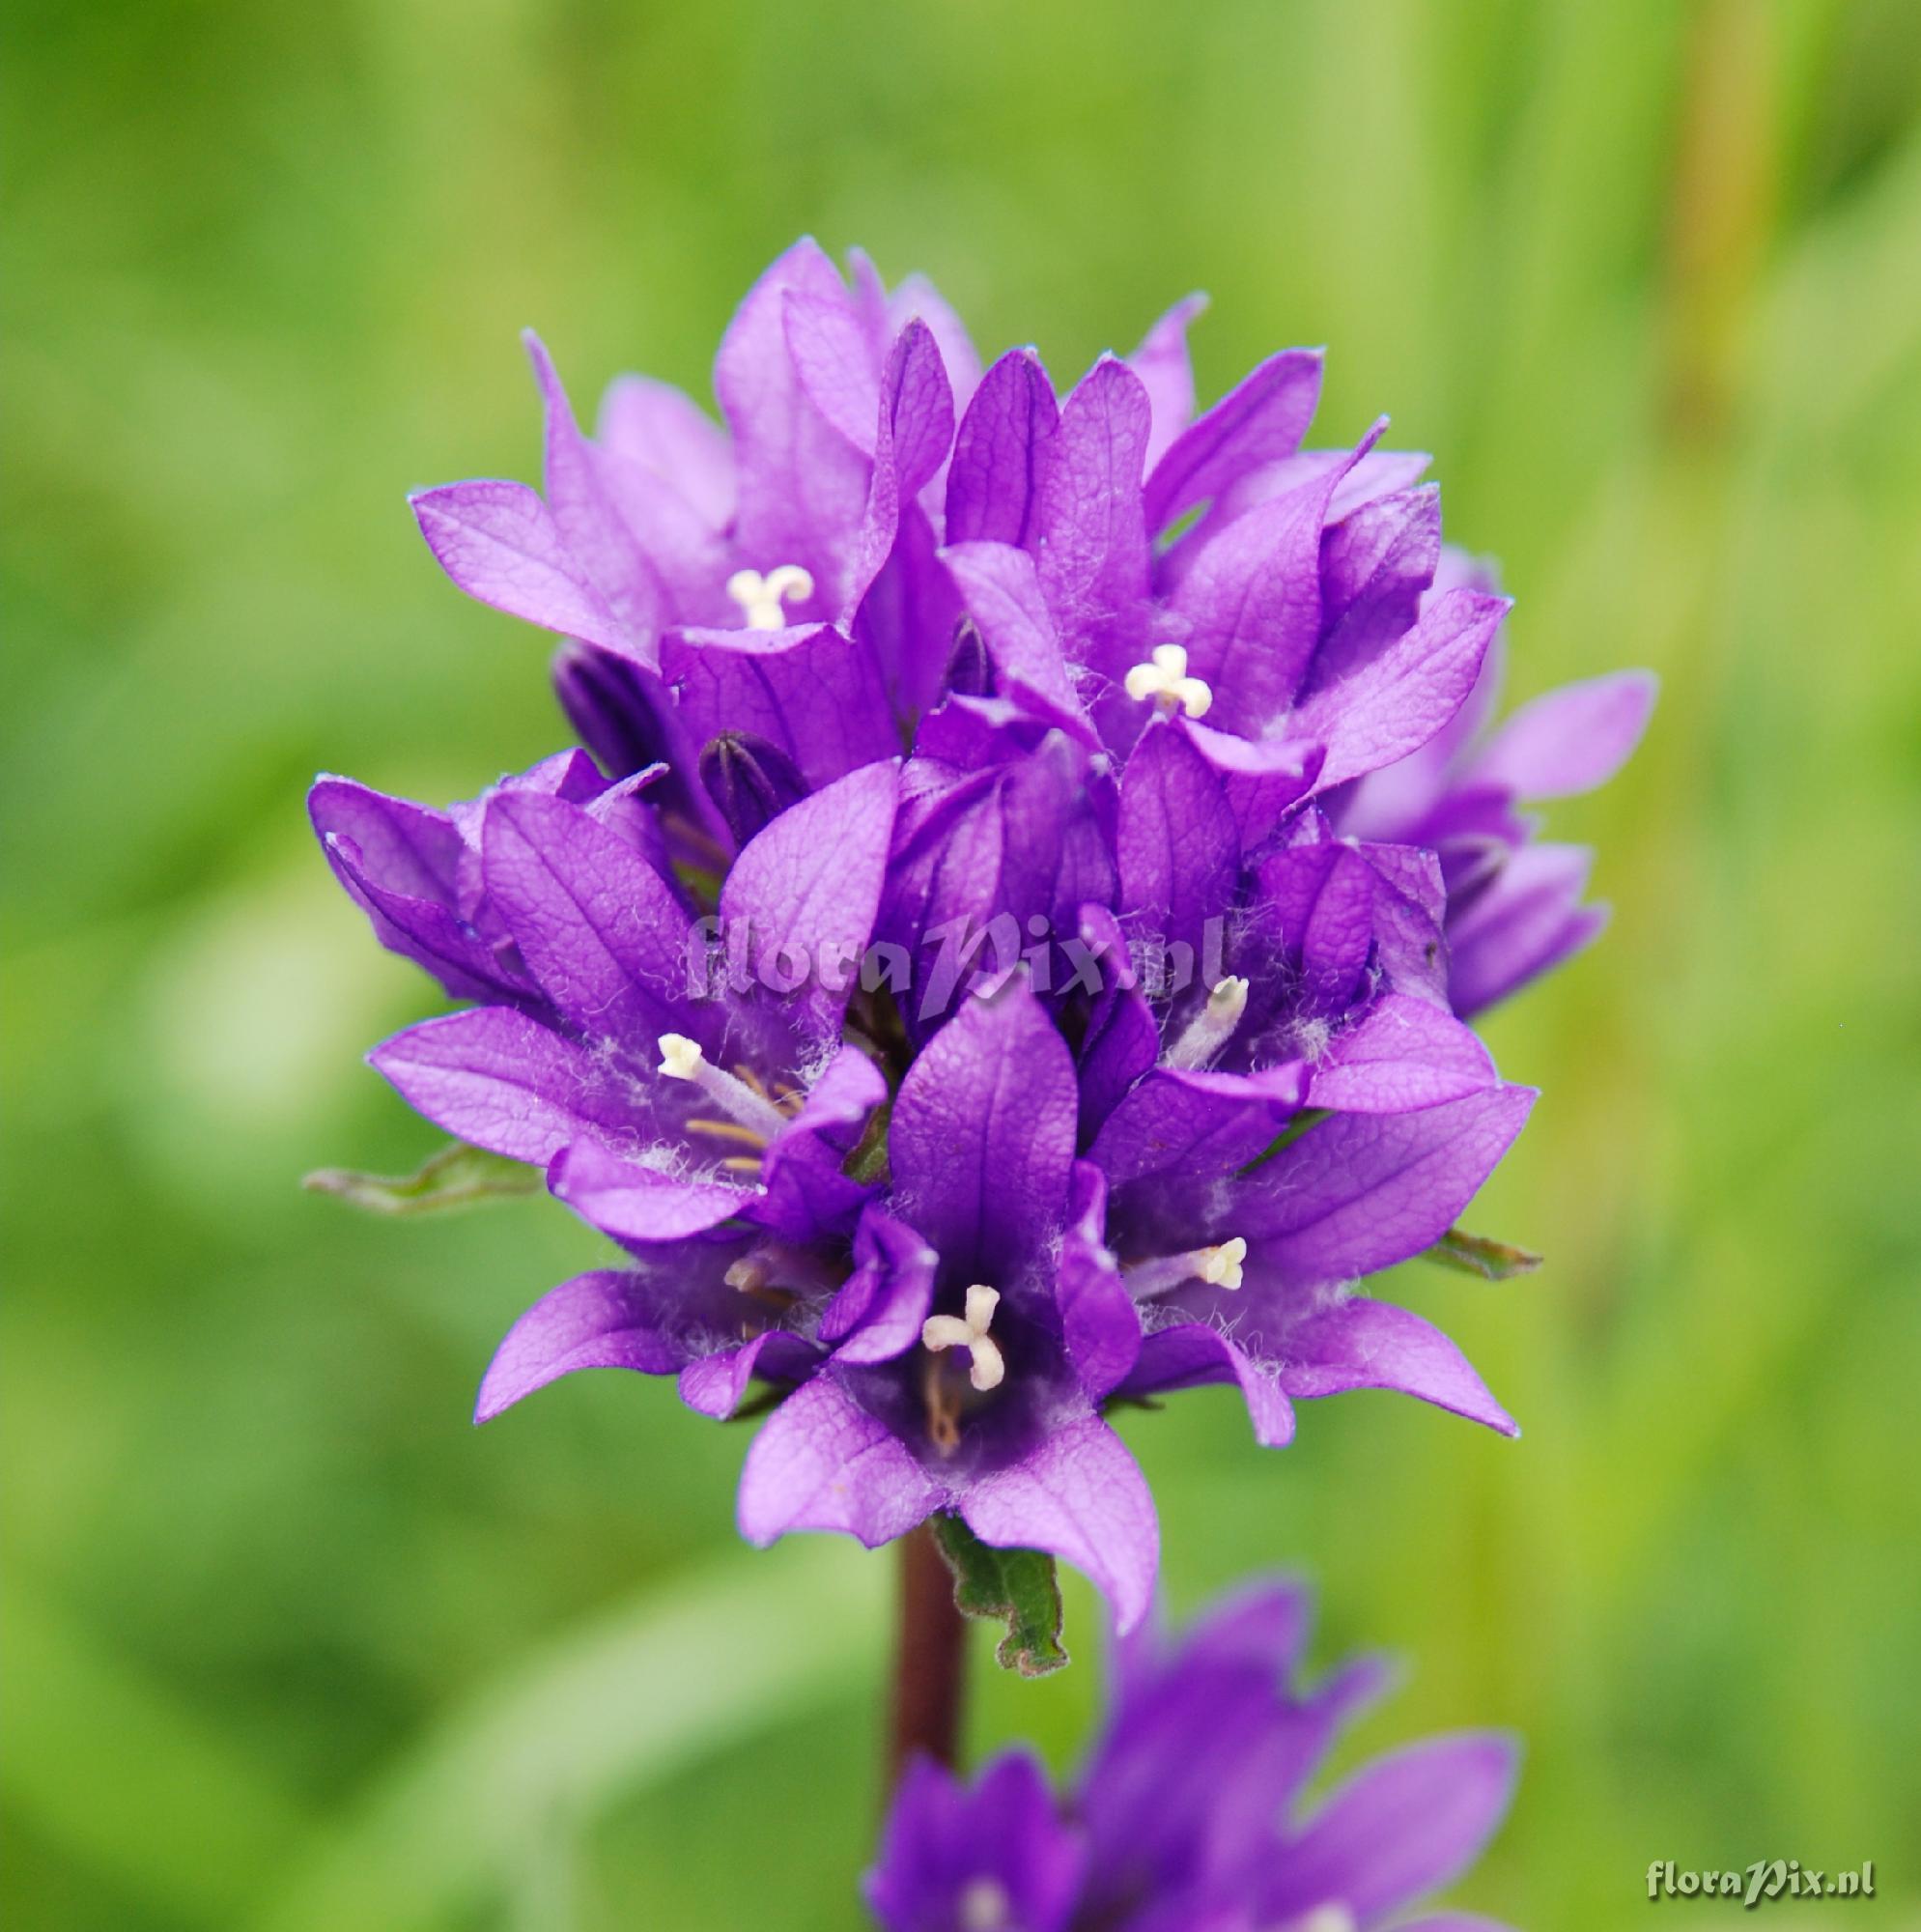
<point>1262,419</point>
<point>1358,1343</point>
<point>597,927</point>
<point>993,481</point>
<point>821,1461</point>
<point>1080,1494</point>
<point>501,545</point>
<point>501,1081</point>
<point>1403,1055</point>
<point>982,1137</point>
<point>1570,740</point>
<point>602,1319</point>
<point>1363,1191</point>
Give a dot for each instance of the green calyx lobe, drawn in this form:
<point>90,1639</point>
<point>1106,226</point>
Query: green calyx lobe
<point>1017,1587</point>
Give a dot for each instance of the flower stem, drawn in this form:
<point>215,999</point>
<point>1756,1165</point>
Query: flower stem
<point>930,1660</point>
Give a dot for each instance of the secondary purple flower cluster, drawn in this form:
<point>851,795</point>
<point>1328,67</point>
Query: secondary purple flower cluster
<point>1187,1814</point>
<point>932,714</point>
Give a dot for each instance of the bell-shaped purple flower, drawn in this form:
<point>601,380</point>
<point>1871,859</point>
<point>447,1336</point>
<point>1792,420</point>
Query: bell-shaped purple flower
<point>975,1382</point>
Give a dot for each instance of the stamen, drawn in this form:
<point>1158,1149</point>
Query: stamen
<point>1164,679</point>
<point>1212,1027</point>
<point>761,597</point>
<point>969,1331</point>
<point>1216,1266</point>
<point>754,1277</point>
<point>680,1059</point>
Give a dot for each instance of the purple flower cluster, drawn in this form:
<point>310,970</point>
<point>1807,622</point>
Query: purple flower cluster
<point>909,650</point>
<point>1188,1813</point>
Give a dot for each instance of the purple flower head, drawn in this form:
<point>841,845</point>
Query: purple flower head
<point>1155,730</point>
<point>1191,1813</point>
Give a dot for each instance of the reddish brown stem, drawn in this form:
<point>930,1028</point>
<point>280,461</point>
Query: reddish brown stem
<point>930,1661</point>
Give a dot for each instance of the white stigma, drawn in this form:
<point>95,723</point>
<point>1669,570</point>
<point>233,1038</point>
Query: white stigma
<point>1212,1027</point>
<point>682,1059</point>
<point>969,1331</point>
<point>1218,1267</point>
<point>761,597</point>
<point>984,1906</point>
<point>1164,679</point>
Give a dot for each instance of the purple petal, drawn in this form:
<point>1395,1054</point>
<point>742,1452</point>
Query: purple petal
<point>426,928</point>
<point>501,544</point>
<point>821,1461</point>
<point>1080,1494</point>
<point>806,1190</point>
<point>835,356</point>
<point>1374,567</point>
<point>1087,535</point>
<point>1362,1191</point>
<point>1178,845</point>
<point>1403,1054</point>
<point>1193,1355</point>
<point>814,694</point>
<point>802,484</point>
<point>809,887</point>
<point>1528,921</point>
<point>1392,704</point>
<point>993,480</point>
<point>589,521</point>
<point>1398,1830</point>
<point>716,1385</point>
<point>597,927</point>
<point>1123,1039</point>
<point>917,300</point>
<point>1259,421</point>
<point>1002,595</point>
<point>1569,741</point>
<point>653,424</point>
<point>407,848</point>
<point>1197,1125</point>
<point>604,1320</point>
<point>916,431</point>
<point>878,1313</point>
<point>1098,1319</point>
<point>499,1080</point>
<point>631,1203</point>
<point>1358,1343</point>
<point>1263,780</point>
<point>1250,606</point>
<point>1167,374</point>
<point>981,1138</point>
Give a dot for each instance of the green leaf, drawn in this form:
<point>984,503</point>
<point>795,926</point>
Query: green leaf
<point>1017,1586</point>
<point>459,1175</point>
<point>1475,1254</point>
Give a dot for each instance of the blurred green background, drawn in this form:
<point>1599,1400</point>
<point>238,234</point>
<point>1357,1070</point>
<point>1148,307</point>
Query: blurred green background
<point>289,1645</point>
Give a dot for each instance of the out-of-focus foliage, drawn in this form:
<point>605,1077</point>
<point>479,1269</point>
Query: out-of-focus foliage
<point>288,1644</point>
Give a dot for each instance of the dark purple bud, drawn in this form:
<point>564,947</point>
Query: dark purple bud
<point>609,702</point>
<point>970,669</point>
<point>749,781</point>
